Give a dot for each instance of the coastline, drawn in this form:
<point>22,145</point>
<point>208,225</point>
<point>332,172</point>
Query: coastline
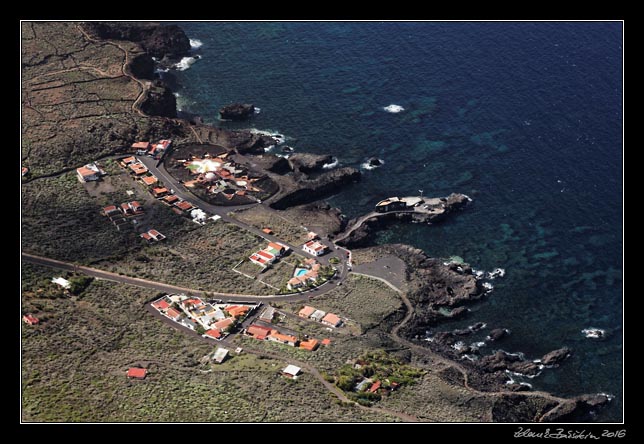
<point>415,261</point>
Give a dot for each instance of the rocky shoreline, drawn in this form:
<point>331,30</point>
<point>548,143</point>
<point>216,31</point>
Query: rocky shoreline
<point>438,291</point>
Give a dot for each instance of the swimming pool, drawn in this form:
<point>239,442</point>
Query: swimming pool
<point>300,271</point>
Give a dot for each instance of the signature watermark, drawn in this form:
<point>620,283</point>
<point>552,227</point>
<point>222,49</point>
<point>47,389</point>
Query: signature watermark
<point>561,433</point>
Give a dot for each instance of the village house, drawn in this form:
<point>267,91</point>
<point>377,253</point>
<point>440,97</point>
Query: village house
<point>127,160</point>
<point>262,258</point>
<point>62,282</point>
<point>276,336</point>
<point>331,320</point>
<point>136,207</point>
<point>173,313</point>
<point>291,371</point>
<point>326,342</point>
<point>223,324</point>
<point>306,312</point>
<point>161,304</point>
<point>314,247</point>
<point>149,180</point>
<point>220,355</point>
<point>310,344</point>
<point>159,191</point>
<point>30,319</point>
<point>267,315</point>
<point>170,199</point>
<point>137,373</point>
<point>237,311</point>
<point>375,386</point>
<point>125,209</point>
<point>212,333</point>
<point>276,249</point>
<point>267,230</point>
<point>258,331</point>
<point>88,173</point>
<point>138,168</point>
<point>140,147</point>
<point>317,315</point>
<point>111,210</point>
<point>184,205</point>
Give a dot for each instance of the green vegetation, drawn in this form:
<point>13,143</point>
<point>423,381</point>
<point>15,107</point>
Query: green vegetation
<point>79,283</point>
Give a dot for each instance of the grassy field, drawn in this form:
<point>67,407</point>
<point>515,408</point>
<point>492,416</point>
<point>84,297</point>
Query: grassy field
<point>283,226</point>
<point>73,368</point>
<point>363,300</point>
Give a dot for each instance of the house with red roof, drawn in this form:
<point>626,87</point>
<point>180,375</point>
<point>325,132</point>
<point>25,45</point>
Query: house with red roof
<point>125,209</point>
<point>86,174</point>
<point>159,191</point>
<point>314,247</point>
<point>147,237</point>
<point>306,312</point>
<point>276,336</point>
<point>149,180</point>
<point>173,313</point>
<point>212,333</point>
<point>141,147</point>
<point>111,210</point>
<point>184,205</point>
<point>161,305</point>
<point>137,373</point>
<point>262,258</point>
<point>138,168</point>
<point>136,207</point>
<point>170,199</point>
<point>223,324</point>
<point>374,387</point>
<point>128,160</point>
<point>267,230</point>
<point>326,342</point>
<point>310,344</point>
<point>30,319</point>
<point>156,235</point>
<point>237,310</point>
<point>258,331</point>
<point>331,320</point>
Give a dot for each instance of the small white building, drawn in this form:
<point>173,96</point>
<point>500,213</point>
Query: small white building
<point>62,282</point>
<point>220,355</point>
<point>291,371</point>
<point>314,247</point>
<point>317,315</point>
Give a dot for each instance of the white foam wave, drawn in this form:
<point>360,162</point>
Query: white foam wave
<point>159,70</point>
<point>478,273</point>
<point>488,286</point>
<point>593,333</point>
<point>278,137</point>
<point>393,108</point>
<point>195,43</point>
<point>268,149</point>
<point>497,272</point>
<point>176,94</point>
<point>185,63</point>
<point>476,327</point>
<point>369,167</point>
<point>333,164</point>
<point>460,345</point>
<point>257,110</point>
<point>477,344</point>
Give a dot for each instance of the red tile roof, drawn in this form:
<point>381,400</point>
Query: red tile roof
<point>267,230</point>
<point>326,341</point>
<point>128,160</point>
<point>150,180</point>
<point>213,333</point>
<point>306,311</point>
<point>258,330</point>
<point>310,345</point>
<point>136,206</point>
<point>85,172</point>
<point>159,190</point>
<point>236,311</point>
<point>31,320</point>
<point>141,145</point>
<point>110,209</point>
<point>331,319</point>
<point>276,246</point>
<point>138,373</point>
<point>146,236</point>
<point>223,323</point>
<point>161,304</point>
<point>282,337</point>
<point>266,255</point>
<point>171,198</point>
<point>173,313</point>
<point>184,205</point>
<point>374,387</point>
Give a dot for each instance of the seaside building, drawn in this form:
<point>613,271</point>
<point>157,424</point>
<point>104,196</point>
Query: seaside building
<point>316,248</point>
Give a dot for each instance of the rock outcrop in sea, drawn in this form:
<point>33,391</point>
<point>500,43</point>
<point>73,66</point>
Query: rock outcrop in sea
<point>237,111</point>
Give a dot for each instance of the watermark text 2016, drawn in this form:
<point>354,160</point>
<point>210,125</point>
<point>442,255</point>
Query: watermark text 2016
<point>562,433</point>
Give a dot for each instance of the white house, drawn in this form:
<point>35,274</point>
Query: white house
<point>314,247</point>
<point>291,371</point>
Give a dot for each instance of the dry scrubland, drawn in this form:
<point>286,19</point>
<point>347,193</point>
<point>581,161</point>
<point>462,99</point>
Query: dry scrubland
<point>74,368</point>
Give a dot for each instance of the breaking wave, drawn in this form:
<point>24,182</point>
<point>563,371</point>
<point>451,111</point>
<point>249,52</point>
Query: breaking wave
<point>333,164</point>
<point>186,63</point>
<point>393,108</point>
<point>195,43</point>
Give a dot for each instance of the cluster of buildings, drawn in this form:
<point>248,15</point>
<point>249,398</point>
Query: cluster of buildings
<point>139,171</point>
<point>268,255</point>
<point>398,204</point>
<point>152,236</point>
<point>325,318</point>
<point>304,275</point>
<point>122,214</point>
<point>89,172</point>
<point>155,150</point>
<point>219,175</point>
<point>216,320</point>
<point>263,333</point>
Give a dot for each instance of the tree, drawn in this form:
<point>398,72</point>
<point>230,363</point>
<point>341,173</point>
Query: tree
<point>200,330</point>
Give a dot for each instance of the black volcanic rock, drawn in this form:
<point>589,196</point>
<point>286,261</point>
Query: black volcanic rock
<point>374,162</point>
<point>237,111</point>
<point>527,368</point>
<point>498,361</point>
<point>497,334</point>
<point>157,40</point>
<point>309,190</point>
<point>160,101</point>
<point>142,66</point>
<point>309,163</point>
<point>556,356</point>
